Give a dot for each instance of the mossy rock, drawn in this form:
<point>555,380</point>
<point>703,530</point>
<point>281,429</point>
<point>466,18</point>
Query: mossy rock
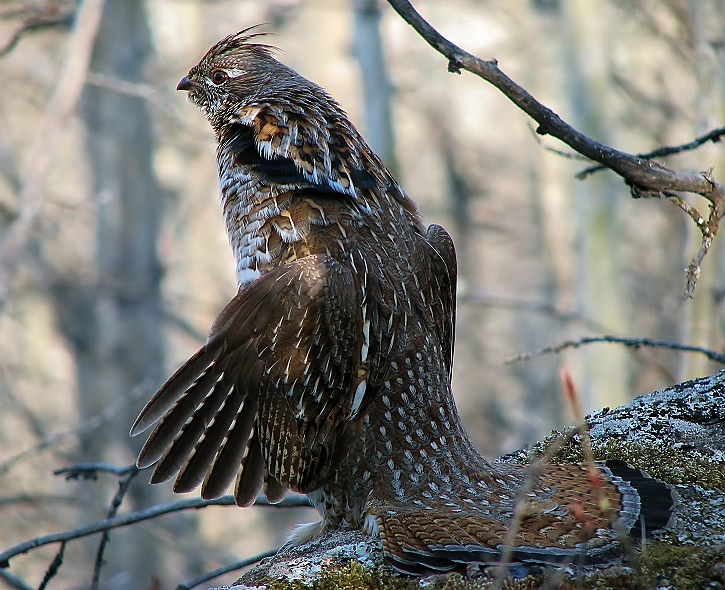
<point>679,464</point>
<point>352,577</point>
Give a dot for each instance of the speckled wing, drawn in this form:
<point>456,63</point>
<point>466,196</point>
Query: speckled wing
<point>267,397</point>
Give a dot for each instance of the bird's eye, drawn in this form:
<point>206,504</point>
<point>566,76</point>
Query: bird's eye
<point>218,76</point>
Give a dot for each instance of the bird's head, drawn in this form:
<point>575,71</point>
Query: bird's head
<point>235,72</point>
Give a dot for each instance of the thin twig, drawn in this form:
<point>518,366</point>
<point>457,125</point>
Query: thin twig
<point>140,90</point>
<point>644,175</point>
<point>54,566</point>
<point>134,517</point>
<point>715,136</point>
<point>32,9</point>
<point>225,570</point>
<point>717,357</point>
<point>91,470</point>
<point>693,213</point>
<point>41,499</point>
<point>561,153</point>
<point>182,324</point>
<point>664,105</point>
<point>707,231</point>
<point>477,297</point>
<point>89,425</point>
<point>123,485</point>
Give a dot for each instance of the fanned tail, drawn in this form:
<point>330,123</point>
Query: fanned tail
<point>423,542</point>
<point>657,500</point>
<point>567,519</point>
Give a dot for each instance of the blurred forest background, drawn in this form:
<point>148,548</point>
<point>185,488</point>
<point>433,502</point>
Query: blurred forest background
<point>114,260</point>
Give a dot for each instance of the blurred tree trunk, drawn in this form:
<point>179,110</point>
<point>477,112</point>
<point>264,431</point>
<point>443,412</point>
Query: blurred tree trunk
<point>553,204</point>
<point>114,323</point>
<point>123,344</point>
<point>604,371</point>
<point>700,326</point>
<point>376,85</point>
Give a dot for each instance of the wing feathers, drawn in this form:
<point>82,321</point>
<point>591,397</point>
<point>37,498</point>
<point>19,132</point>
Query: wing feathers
<point>193,473</point>
<point>177,455</point>
<point>228,461</point>
<point>273,363</point>
<point>251,478</point>
<point>274,490</point>
<point>174,388</point>
<point>171,424</point>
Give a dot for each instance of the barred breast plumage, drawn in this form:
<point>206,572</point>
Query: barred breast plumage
<point>329,372</point>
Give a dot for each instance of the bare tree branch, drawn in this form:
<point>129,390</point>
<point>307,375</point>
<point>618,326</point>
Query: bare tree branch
<point>134,517</point>
<point>94,422</point>
<point>693,269</point>
<point>39,499</point>
<point>566,154</point>
<point>35,23</point>
<point>717,357</point>
<point>664,106</point>
<point>181,323</point>
<point>14,581</point>
<point>477,297</point>
<point>91,470</point>
<point>646,177</point>
<point>714,136</point>
<point>140,90</point>
<point>225,570</point>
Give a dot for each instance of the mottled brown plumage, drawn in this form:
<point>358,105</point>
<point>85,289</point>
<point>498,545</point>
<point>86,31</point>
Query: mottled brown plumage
<point>329,372</point>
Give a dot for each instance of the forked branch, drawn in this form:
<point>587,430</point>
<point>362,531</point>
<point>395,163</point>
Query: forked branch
<point>645,176</point>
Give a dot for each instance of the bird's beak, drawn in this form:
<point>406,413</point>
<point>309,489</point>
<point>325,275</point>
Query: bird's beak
<point>185,84</point>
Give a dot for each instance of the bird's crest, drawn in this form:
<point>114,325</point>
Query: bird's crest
<point>241,41</point>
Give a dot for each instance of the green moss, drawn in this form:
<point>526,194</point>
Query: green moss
<point>457,582</point>
<point>352,577</point>
<point>661,565</point>
<point>684,568</point>
<point>674,465</point>
<point>678,465</point>
<point>568,452</point>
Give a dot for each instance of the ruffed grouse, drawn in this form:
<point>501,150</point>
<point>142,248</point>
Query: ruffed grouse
<point>329,373</point>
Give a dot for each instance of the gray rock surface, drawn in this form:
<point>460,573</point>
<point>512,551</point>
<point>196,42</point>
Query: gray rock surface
<point>686,415</point>
<point>306,562</point>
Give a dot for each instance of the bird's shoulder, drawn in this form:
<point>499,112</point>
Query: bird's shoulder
<point>318,147</point>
